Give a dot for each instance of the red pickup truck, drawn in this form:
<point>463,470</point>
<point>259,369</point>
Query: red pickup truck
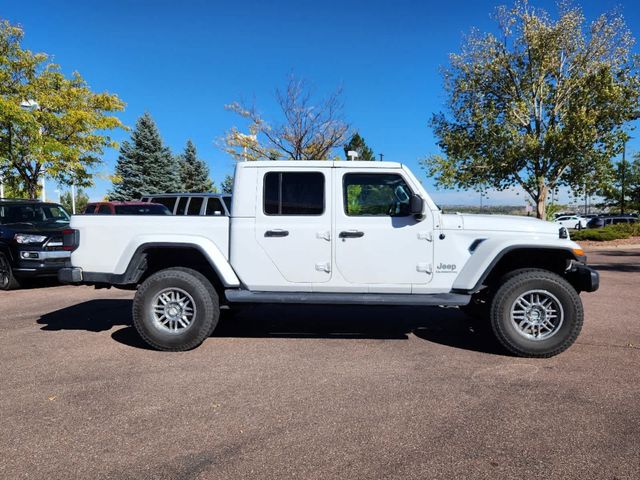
<point>125,208</point>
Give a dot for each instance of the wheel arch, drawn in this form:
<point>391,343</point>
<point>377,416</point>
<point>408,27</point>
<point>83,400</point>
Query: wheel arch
<point>151,257</point>
<point>556,259</point>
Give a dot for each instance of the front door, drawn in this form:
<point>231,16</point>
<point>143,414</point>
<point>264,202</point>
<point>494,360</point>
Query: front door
<point>293,226</point>
<point>378,242</point>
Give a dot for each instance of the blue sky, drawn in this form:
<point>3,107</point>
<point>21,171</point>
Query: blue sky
<point>183,61</point>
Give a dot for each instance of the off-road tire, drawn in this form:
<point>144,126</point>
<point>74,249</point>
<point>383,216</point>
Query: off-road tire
<point>205,319</point>
<point>526,280</point>
<point>8,281</point>
<point>479,308</point>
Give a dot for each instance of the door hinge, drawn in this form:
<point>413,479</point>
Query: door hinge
<point>424,267</point>
<point>324,235</point>
<point>428,236</point>
<point>323,267</point>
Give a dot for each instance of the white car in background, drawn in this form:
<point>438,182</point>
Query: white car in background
<point>572,221</point>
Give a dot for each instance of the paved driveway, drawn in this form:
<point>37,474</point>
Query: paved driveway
<point>333,392</point>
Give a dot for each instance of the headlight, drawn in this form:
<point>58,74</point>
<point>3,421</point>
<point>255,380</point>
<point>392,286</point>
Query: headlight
<point>26,238</point>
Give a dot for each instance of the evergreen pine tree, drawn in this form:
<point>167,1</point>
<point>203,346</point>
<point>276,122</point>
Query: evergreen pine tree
<point>358,144</point>
<point>227,184</point>
<point>145,165</point>
<point>194,173</point>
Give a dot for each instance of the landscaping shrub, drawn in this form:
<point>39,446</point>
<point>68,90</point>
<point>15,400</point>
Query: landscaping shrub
<point>612,232</point>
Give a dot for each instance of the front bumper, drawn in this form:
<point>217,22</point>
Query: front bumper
<point>583,278</point>
<point>32,263</point>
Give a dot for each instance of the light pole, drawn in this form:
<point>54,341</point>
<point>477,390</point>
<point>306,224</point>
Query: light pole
<point>73,198</point>
<point>32,105</point>
<point>622,175</point>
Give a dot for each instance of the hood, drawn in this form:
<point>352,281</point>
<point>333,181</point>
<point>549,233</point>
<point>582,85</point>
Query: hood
<point>500,223</point>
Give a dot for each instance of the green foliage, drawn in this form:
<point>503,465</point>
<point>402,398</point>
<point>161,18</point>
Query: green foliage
<point>82,199</point>
<point>49,124</point>
<point>358,144</point>
<point>543,105</point>
<point>627,178</point>
<point>145,165</point>
<point>551,211</point>
<point>227,184</point>
<point>194,173</point>
<point>611,232</point>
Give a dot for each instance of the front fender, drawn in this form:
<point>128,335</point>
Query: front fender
<point>489,252</point>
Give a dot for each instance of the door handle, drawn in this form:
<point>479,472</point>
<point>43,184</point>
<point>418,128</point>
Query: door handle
<point>351,234</point>
<point>276,233</point>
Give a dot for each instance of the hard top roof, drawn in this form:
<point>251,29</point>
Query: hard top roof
<point>177,194</point>
<point>318,164</point>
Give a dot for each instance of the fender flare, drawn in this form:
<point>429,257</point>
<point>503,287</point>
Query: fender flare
<point>462,286</point>
<point>137,261</point>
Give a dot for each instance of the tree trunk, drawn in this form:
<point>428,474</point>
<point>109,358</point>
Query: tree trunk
<point>541,208</point>
<point>31,185</point>
<point>541,202</point>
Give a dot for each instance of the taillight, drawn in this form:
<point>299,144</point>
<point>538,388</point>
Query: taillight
<point>70,239</point>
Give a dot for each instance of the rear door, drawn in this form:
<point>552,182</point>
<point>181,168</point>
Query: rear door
<point>293,223</point>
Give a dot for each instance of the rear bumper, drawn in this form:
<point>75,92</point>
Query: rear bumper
<point>584,279</point>
<point>70,275</point>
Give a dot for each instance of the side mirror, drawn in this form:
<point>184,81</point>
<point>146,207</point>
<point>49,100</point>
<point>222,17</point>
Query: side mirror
<point>416,205</point>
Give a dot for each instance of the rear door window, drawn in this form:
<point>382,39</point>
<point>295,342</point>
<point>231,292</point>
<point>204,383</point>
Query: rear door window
<point>104,210</point>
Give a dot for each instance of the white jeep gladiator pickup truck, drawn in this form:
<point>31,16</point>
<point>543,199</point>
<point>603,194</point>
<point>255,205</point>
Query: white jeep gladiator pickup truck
<point>317,232</point>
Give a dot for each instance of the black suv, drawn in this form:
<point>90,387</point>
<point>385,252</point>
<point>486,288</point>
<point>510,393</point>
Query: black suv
<point>31,240</point>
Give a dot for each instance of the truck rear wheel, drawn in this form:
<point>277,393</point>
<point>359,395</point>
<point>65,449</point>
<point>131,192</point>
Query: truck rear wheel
<point>536,313</point>
<point>175,309</point>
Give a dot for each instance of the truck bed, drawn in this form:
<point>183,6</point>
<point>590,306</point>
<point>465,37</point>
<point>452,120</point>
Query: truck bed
<point>108,240</point>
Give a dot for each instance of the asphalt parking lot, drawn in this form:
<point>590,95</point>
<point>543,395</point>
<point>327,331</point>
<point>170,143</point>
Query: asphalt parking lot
<point>332,392</point>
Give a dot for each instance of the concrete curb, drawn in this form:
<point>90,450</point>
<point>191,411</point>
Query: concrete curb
<point>595,248</point>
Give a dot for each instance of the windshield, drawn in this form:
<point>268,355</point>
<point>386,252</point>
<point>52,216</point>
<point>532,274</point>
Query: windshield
<point>32,214</point>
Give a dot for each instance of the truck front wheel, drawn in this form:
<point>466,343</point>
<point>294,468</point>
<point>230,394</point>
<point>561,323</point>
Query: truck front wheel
<point>536,313</point>
<point>175,309</point>
<point>7,280</point>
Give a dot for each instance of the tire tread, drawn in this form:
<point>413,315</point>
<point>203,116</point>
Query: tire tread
<point>210,298</point>
<point>519,278</point>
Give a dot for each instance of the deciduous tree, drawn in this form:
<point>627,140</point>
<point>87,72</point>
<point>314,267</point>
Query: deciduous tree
<point>306,128</point>
<point>49,124</point>
<point>623,193</point>
<point>543,104</point>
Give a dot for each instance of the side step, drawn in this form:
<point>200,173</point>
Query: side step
<point>317,298</point>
